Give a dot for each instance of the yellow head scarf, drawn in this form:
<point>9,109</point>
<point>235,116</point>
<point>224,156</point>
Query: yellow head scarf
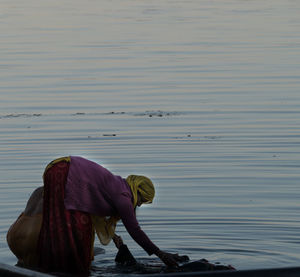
<point>105,226</point>
<point>143,185</point>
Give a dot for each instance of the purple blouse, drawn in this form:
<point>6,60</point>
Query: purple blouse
<point>93,189</point>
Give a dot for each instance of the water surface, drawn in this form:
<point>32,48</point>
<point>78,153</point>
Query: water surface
<point>203,97</point>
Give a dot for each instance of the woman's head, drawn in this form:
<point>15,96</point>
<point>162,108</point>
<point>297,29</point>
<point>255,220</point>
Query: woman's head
<point>141,185</point>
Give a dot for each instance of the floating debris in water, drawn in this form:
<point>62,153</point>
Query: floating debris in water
<point>21,115</point>
<point>79,113</point>
<point>213,137</point>
<point>116,113</point>
<point>109,135</point>
<point>157,113</point>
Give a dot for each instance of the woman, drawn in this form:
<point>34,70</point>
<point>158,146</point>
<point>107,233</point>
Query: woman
<point>80,197</point>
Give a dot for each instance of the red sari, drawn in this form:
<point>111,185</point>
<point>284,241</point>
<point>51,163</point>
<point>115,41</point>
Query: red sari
<point>66,236</point>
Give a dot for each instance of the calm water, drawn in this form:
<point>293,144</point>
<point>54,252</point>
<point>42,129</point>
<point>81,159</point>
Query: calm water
<point>201,96</point>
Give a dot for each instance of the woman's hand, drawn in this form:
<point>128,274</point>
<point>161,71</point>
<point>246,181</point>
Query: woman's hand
<point>117,240</point>
<point>168,258</point>
<point>180,259</point>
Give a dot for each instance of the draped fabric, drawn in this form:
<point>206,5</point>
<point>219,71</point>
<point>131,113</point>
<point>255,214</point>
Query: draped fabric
<point>66,237</point>
<point>105,227</point>
<point>62,159</point>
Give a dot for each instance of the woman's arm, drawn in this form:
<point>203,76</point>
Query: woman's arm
<point>127,214</point>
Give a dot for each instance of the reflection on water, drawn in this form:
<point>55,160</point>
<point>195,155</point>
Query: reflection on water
<point>202,97</point>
